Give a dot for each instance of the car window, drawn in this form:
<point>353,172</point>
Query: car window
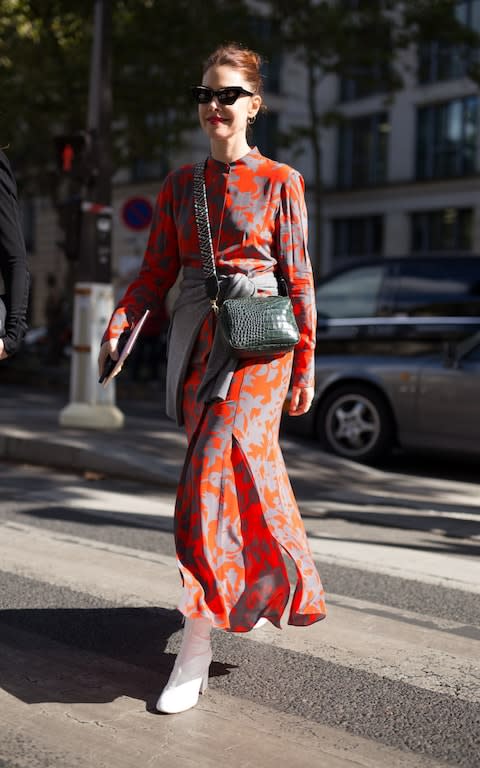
<point>351,294</point>
<point>372,347</point>
<point>443,287</point>
<point>474,355</point>
<point>469,348</point>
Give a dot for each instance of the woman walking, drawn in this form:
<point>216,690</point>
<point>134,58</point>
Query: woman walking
<point>235,512</point>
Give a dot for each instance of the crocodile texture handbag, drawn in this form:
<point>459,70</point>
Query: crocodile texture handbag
<point>253,326</point>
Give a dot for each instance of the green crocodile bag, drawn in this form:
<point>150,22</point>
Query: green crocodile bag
<point>252,326</point>
<point>257,326</point>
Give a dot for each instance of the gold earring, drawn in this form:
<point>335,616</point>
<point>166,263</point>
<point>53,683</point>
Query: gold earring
<point>251,120</point>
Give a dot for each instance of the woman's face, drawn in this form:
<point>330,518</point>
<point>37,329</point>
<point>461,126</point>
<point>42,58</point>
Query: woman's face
<point>222,122</point>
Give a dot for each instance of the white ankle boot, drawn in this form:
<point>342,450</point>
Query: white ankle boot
<point>189,676</point>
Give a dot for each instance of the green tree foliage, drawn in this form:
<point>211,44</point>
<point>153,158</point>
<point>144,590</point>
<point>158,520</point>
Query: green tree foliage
<point>158,53</point>
<point>44,49</point>
<point>158,48</point>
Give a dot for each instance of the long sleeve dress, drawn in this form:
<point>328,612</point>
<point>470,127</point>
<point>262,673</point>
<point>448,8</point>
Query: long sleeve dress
<point>235,513</point>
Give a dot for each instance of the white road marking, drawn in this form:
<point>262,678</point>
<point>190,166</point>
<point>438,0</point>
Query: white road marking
<point>401,561</point>
<point>437,568</point>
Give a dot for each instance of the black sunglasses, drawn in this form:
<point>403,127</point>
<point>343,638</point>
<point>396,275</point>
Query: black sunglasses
<point>227,96</point>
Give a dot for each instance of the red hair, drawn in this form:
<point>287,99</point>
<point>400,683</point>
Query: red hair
<point>238,57</point>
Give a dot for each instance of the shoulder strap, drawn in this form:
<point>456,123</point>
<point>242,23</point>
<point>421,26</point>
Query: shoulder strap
<point>204,233</point>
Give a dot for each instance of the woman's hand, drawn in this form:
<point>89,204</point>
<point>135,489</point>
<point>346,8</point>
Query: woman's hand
<point>3,354</point>
<point>301,400</point>
<point>108,348</point>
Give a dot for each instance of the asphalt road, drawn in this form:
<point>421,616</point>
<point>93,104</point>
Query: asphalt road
<point>88,580</point>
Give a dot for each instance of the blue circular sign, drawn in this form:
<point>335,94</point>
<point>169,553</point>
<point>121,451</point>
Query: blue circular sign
<point>137,213</point>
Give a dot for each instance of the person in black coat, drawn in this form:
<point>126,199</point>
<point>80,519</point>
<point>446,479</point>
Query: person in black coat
<point>14,277</point>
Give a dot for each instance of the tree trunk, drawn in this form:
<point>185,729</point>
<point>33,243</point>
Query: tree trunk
<point>318,258</point>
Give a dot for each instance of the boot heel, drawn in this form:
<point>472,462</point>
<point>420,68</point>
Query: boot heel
<point>204,683</point>
<point>189,676</point>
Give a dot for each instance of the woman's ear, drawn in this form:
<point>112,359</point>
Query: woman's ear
<point>255,105</point>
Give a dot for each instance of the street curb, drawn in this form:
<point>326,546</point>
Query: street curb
<point>63,456</point>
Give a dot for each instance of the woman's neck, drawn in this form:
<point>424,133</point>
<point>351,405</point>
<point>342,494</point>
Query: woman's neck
<point>229,151</point>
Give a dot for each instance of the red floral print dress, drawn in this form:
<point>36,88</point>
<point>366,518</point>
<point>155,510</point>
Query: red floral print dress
<point>236,514</point>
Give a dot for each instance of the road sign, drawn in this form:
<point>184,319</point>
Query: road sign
<point>137,213</point>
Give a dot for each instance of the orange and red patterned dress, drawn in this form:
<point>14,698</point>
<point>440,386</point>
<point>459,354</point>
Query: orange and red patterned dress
<point>236,514</point>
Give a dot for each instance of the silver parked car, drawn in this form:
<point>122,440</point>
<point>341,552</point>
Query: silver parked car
<point>365,404</point>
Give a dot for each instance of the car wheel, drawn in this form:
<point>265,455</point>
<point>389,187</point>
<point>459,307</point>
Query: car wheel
<point>354,421</point>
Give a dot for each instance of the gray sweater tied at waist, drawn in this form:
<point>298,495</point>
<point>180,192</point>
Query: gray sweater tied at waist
<point>189,312</point>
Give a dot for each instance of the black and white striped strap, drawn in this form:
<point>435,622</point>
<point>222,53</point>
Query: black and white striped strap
<point>204,233</point>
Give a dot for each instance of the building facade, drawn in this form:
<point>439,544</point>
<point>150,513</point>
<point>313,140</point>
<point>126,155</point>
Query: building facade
<point>404,177</point>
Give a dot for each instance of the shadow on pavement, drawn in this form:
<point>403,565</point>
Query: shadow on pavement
<point>453,527</point>
<point>101,517</point>
<point>69,655</point>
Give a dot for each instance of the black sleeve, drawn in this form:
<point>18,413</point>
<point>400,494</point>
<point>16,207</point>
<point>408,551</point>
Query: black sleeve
<point>13,260</point>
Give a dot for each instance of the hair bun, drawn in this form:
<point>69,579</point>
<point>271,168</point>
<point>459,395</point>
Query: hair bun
<point>237,56</point>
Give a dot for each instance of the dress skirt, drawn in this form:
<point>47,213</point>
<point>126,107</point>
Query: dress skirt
<point>236,514</point>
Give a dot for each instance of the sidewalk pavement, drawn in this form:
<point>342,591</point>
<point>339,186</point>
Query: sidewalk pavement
<point>150,448</point>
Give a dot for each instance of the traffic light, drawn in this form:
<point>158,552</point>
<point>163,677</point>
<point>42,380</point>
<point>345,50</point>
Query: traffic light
<point>73,154</point>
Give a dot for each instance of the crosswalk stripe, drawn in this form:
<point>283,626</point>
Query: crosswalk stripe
<point>403,562</point>
<point>121,574</point>
<point>439,568</point>
<point>435,657</point>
